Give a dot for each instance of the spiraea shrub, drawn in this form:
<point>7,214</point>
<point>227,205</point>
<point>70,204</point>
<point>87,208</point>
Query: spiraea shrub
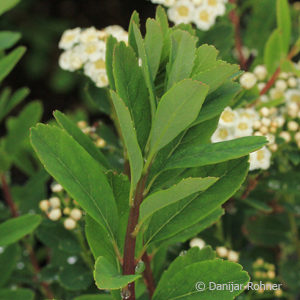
<point>166,92</point>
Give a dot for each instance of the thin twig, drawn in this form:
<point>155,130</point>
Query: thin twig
<point>235,20</point>
<point>9,200</point>
<point>148,276</point>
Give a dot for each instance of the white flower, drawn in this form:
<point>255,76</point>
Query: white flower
<point>100,79</point>
<point>222,134</point>
<point>54,214</point>
<point>168,3</point>
<point>243,127</point>
<point>250,113</point>
<point>260,159</point>
<point>281,85</point>
<point>271,138</point>
<point>69,224</point>
<point>196,242</point>
<point>69,38</point>
<point>92,68</point>
<point>76,214</point>
<point>118,32</point>
<point>204,17</point>
<point>292,82</point>
<point>93,51</point>
<point>228,117</point>
<point>248,80</point>
<point>181,12</point>
<point>217,6</point>
<point>54,202</point>
<point>89,35</point>
<point>70,60</point>
<point>44,205</point>
<point>292,95</point>
<point>260,72</point>
<point>222,251</point>
<point>233,256</point>
<point>198,2</point>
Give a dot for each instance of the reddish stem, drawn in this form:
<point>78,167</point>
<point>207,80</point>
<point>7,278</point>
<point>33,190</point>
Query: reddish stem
<point>271,82</point>
<point>235,20</point>
<point>147,274</point>
<point>9,200</point>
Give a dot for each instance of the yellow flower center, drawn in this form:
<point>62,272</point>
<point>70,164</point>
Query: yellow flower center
<point>204,16</point>
<point>227,116</point>
<point>91,38</point>
<point>99,64</point>
<point>260,155</point>
<point>183,11</point>
<point>223,133</point>
<point>90,49</point>
<point>69,38</point>
<point>212,2</point>
<point>243,126</point>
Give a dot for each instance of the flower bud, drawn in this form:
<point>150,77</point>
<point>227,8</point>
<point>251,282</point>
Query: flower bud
<point>264,111</point>
<point>222,251</point>
<point>285,135</point>
<point>248,80</point>
<point>44,205</point>
<point>54,202</point>
<point>260,72</point>
<point>54,214</point>
<point>281,85</point>
<point>233,256</point>
<point>100,143</point>
<point>293,125</point>
<point>196,242</point>
<point>292,82</point>
<point>56,188</point>
<point>69,224</point>
<point>76,214</point>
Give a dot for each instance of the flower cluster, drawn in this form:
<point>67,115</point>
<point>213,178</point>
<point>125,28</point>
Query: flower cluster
<point>263,271</point>
<point>84,49</point>
<point>231,255</point>
<point>201,12</point>
<point>60,206</point>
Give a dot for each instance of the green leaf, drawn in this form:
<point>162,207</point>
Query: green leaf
<point>130,140</point>
<point>182,284</point>
<point>196,155</point>
<point>217,75</point>
<point>110,48</point>
<point>257,204</point>
<point>19,294</point>
<point>18,127</point>
<point>107,277</point>
<point>177,192</point>
<point>153,45</point>
<point>194,255</point>
<point>135,19</point>
<point>8,62</point>
<point>8,261</point>
<point>6,5</point>
<point>72,129</point>
<point>177,109</point>
<point>284,23</point>
<point>75,277</point>
<point>145,67</point>
<point>132,89</point>
<point>206,58</point>
<point>175,218</point>
<point>182,56</point>
<point>77,172</point>
<point>8,39</point>
<point>94,297</point>
<point>216,102</point>
<point>14,229</point>
<point>6,105</point>
<point>272,52</point>
<point>99,246</point>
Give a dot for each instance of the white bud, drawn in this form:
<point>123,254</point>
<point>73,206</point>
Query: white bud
<point>266,121</point>
<point>256,124</point>
<point>69,224</point>
<point>233,256</point>
<point>56,188</point>
<point>222,251</point>
<point>82,124</point>
<point>76,214</point>
<point>261,86</point>
<point>248,80</point>
<point>196,242</point>
<point>54,214</point>
<point>280,121</point>
<point>284,75</point>
<point>44,205</point>
<point>293,125</point>
<point>100,143</point>
<point>258,133</point>
<point>66,211</point>
<point>273,147</point>
<point>264,130</point>
<point>297,136</point>
<point>264,98</point>
<point>285,135</point>
<point>54,202</point>
<point>292,82</point>
<point>264,111</point>
<point>273,129</point>
<point>260,72</point>
<point>281,85</point>
<point>270,138</point>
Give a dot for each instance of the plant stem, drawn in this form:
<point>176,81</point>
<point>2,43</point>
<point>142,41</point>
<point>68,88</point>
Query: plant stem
<point>148,276</point>
<point>34,262</point>
<point>235,19</point>
<point>130,240</point>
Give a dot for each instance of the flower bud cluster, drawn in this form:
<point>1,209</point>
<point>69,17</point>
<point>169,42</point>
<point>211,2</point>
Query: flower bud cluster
<point>231,255</point>
<point>61,207</point>
<point>202,13</point>
<point>84,49</point>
